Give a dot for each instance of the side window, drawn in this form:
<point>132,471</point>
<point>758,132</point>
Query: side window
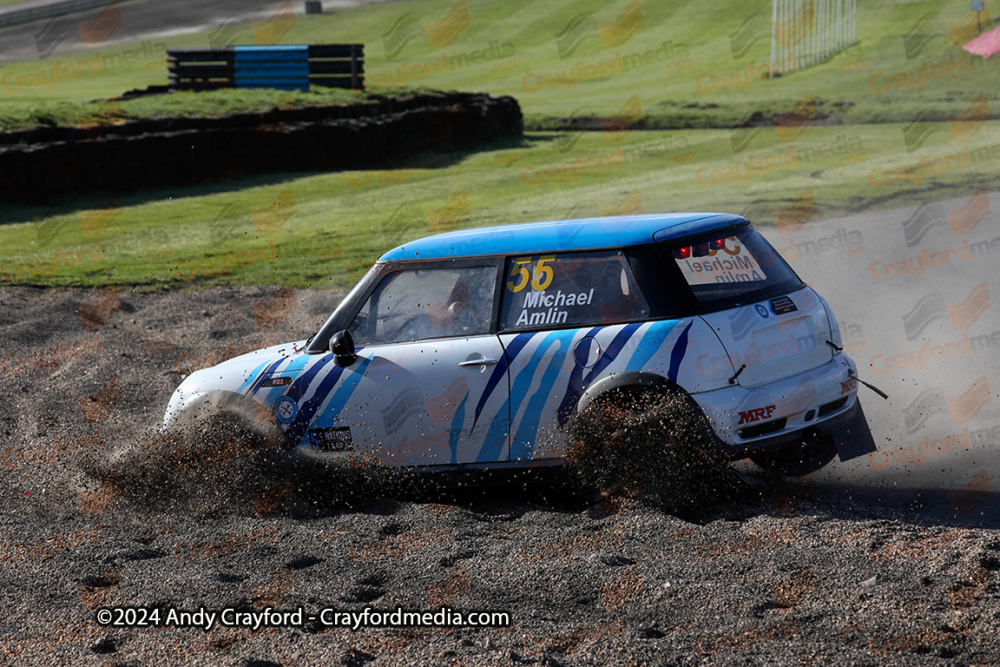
<point>418,304</point>
<point>548,291</point>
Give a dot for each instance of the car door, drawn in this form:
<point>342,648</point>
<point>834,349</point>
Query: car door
<point>428,386</point>
<point>567,320</point>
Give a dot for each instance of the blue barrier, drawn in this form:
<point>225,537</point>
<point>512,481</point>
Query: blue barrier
<point>292,67</point>
<point>281,67</point>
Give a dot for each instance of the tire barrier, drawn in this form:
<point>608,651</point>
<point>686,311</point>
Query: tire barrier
<point>42,165</point>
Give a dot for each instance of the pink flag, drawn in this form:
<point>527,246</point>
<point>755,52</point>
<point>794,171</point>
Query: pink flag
<point>986,44</point>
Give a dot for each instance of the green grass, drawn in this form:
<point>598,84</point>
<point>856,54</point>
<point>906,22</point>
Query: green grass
<point>325,229</point>
<point>698,48</point>
<point>337,226</point>
<point>180,105</point>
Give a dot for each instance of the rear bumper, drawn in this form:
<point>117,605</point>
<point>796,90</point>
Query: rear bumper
<point>831,427</point>
<point>816,403</point>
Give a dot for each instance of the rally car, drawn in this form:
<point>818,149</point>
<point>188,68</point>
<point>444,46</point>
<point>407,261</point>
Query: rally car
<point>473,349</point>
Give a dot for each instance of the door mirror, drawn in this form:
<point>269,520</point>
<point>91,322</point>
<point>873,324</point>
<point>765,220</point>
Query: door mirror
<point>342,346</point>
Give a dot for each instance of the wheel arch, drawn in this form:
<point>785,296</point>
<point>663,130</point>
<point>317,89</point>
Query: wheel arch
<point>627,380</point>
<point>203,405</point>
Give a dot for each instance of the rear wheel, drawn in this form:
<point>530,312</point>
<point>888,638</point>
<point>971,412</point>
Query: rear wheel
<point>643,443</point>
<point>811,454</point>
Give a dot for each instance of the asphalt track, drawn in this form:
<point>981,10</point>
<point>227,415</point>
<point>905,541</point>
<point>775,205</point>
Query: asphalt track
<point>142,20</point>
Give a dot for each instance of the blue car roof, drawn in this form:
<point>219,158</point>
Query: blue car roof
<point>562,235</point>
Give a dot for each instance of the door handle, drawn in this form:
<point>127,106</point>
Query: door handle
<point>479,362</point>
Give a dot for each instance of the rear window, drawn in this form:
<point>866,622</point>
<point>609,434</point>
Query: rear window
<point>560,290</point>
<point>733,269</point>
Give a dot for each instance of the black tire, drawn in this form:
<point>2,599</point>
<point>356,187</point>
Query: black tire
<point>808,456</point>
<point>644,443</point>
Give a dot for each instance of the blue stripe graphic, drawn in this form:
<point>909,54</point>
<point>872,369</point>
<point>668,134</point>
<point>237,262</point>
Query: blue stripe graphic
<point>677,354</point>
<point>578,384</point>
<point>255,374</point>
<point>455,429</point>
<point>529,423</point>
<point>649,344</point>
<point>513,348</point>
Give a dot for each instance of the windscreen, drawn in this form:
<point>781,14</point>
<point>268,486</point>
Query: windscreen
<point>738,268</point>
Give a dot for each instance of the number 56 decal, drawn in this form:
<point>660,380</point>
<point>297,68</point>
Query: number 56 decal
<point>540,277</point>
